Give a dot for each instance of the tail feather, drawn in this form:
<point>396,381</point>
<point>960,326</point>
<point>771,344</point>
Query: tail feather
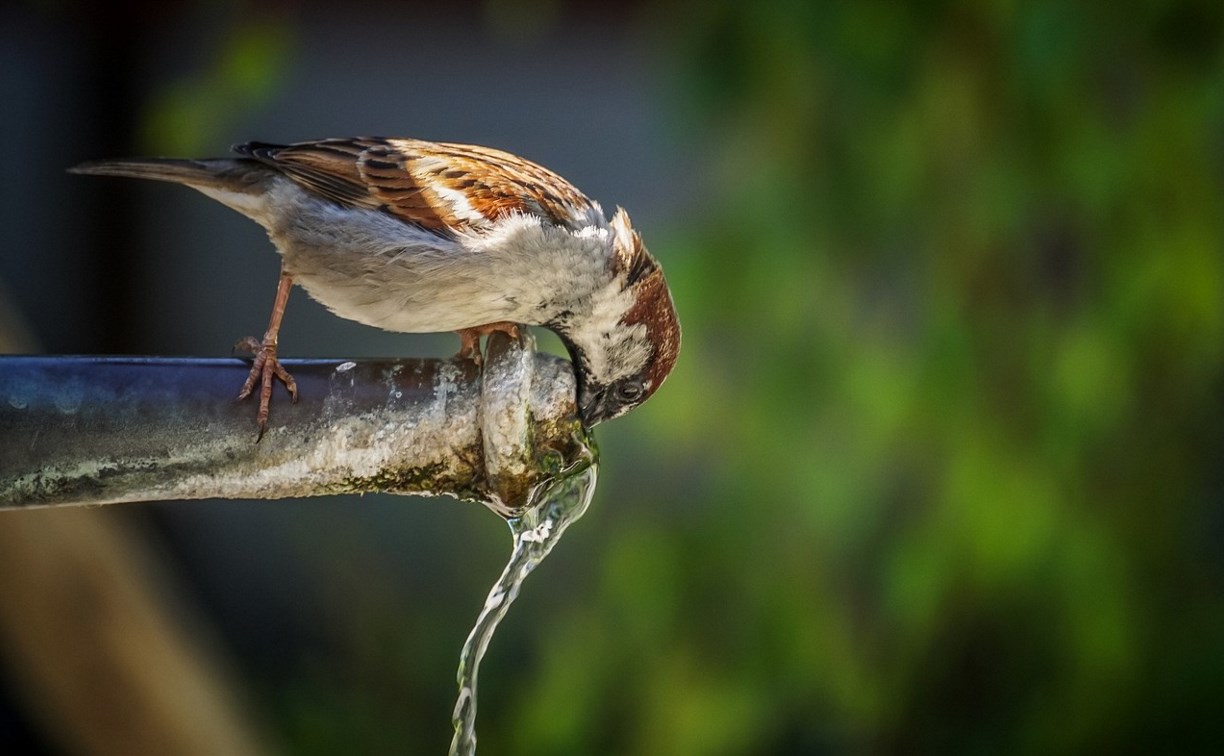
<point>235,175</point>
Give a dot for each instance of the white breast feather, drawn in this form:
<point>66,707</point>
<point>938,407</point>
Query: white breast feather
<point>370,267</point>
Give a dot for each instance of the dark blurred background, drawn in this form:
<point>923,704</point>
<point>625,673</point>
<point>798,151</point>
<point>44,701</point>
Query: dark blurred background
<point>939,469</point>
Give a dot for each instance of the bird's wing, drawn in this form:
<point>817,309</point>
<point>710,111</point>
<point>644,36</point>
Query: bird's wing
<point>441,187</point>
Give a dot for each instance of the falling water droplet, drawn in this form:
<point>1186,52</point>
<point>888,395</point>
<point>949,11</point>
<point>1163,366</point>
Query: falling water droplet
<point>535,532</point>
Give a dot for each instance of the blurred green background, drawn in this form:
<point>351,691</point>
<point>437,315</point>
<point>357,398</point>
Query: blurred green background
<point>939,469</point>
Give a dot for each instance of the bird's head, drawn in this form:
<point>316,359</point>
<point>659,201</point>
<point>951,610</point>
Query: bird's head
<point>628,344</point>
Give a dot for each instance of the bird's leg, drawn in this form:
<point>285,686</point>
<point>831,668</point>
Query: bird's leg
<point>266,366</point>
<point>469,338</point>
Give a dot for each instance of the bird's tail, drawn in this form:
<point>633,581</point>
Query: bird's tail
<point>233,175</point>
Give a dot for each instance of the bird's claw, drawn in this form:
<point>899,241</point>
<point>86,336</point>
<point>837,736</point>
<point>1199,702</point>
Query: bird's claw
<point>469,347</point>
<point>469,339</point>
<point>264,369</point>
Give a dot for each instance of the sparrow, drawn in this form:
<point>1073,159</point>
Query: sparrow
<point>416,236</point>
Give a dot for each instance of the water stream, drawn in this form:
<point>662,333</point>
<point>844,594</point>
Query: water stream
<point>535,533</point>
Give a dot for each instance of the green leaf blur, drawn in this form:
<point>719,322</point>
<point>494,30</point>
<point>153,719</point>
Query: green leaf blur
<point>941,466</point>
<point>939,469</point>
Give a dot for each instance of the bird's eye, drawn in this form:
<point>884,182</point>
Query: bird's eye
<point>629,392</point>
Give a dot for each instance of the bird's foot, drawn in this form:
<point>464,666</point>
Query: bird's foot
<point>264,369</point>
<point>469,339</point>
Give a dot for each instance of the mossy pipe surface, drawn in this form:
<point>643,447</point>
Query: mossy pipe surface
<point>102,430</point>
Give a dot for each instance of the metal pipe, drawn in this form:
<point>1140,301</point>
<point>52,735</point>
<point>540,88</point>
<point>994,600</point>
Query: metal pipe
<point>102,430</point>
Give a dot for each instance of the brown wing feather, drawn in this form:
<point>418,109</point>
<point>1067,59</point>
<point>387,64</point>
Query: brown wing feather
<point>438,186</point>
<point>327,168</point>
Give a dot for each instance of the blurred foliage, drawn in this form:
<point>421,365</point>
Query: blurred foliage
<point>939,469</point>
<point>187,115</point>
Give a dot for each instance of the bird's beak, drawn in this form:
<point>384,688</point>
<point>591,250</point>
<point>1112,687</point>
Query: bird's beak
<point>590,406</point>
